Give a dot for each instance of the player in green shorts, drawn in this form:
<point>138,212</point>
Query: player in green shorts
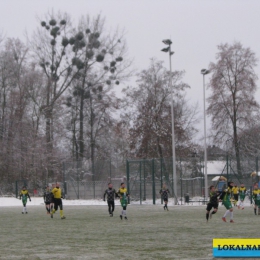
<point>225,197</point>
<point>123,195</point>
<point>24,195</point>
<point>242,195</point>
<point>256,197</point>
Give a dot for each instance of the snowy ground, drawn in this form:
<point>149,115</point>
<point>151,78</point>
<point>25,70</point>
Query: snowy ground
<point>89,233</point>
<point>37,201</point>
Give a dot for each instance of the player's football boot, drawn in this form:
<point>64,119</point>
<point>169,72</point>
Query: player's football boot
<point>224,219</point>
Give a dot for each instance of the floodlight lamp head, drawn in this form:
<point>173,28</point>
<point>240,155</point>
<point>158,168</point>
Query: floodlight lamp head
<point>167,42</point>
<point>165,49</point>
<point>205,71</point>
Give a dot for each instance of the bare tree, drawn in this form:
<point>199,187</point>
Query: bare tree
<point>150,115</point>
<point>57,50</point>
<point>92,99</point>
<point>232,105</point>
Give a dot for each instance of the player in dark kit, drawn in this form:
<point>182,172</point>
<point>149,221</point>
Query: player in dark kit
<point>213,202</point>
<point>111,194</point>
<point>165,193</point>
<point>48,199</point>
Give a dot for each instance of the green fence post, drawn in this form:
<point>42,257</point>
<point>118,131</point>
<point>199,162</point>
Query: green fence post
<point>227,167</point>
<point>110,171</point>
<point>153,181</point>
<point>144,180</point>
<point>161,178</point>
<point>140,179</point>
<point>64,180</point>
<point>78,177</point>
<point>181,180</point>
<point>16,189</point>
<point>256,168</point>
<point>127,178</point>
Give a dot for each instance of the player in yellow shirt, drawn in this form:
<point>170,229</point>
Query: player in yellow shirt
<point>57,194</point>
<point>225,197</point>
<point>24,195</point>
<point>123,195</point>
<point>256,197</point>
<point>235,191</point>
<point>242,195</point>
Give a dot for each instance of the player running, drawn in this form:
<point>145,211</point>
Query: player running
<point>24,195</point>
<point>57,194</point>
<point>235,192</point>
<point>48,199</point>
<point>164,193</point>
<point>242,195</point>
<point>123,195</point>
<point>256,197</point>
<point>213,202</point>
<point>225,197</point>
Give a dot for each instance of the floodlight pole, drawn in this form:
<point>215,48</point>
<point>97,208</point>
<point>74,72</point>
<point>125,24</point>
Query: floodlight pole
<point>174,176</point>
<point>205,72</point>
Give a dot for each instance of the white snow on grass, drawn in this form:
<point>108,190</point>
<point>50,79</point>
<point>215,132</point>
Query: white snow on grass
<point>36,201</point>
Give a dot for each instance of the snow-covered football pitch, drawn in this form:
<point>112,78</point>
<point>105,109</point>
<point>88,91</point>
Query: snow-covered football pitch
<point>89,233</point>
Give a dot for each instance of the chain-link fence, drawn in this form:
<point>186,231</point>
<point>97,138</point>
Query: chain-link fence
<point>143,177</point>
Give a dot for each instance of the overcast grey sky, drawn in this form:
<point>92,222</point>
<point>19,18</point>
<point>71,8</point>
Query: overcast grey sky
<point>195,27</point>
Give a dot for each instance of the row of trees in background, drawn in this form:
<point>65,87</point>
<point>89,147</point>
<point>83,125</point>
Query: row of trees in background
<point>232,106</point>
<point>56,96</point>
<point>58,102</point>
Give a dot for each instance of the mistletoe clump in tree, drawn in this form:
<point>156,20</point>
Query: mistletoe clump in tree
<point>53,48</point>
<point>91,99</point>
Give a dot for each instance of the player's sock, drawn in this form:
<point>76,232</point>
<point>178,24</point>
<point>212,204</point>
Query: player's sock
<point>207,216</point>
<point>231,215</point>
<point>25,209</point>
<point>255,211</point>
<point>213,212</point>
<point>226,213</point>
<point>61,214</point>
